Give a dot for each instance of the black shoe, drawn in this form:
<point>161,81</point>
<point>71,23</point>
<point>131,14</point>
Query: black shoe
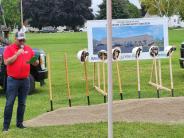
<point>21,126</point>
<point>5,130</point>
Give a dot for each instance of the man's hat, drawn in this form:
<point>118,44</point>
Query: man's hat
<point>20,35</point>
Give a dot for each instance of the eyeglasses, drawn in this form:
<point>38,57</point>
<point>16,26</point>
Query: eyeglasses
<point>22,40</point>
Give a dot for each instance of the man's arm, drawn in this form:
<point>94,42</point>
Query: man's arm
<point>12,59</point>
<point>35,63</point>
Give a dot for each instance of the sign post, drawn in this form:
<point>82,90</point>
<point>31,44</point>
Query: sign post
<point>109,62</point>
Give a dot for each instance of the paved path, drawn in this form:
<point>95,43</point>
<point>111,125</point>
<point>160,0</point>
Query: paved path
<point>163,110</point>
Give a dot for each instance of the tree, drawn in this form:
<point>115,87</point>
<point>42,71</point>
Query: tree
<point>120,9</point>
<point>11,11</point>
<point>181,10</point>
<point>134,12</point>
<point>38,12</point>
<point>77,12</point>
<point>143,10</point>
<point>161,7</point>
<point>71,13</point>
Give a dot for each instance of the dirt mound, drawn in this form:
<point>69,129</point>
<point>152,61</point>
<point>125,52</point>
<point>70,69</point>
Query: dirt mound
<point>163,110</point>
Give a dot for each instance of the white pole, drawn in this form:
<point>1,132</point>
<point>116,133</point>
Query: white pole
<point>109,56</point>
<point>21,7</point>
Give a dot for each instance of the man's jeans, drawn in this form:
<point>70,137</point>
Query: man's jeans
<point>15,88</point>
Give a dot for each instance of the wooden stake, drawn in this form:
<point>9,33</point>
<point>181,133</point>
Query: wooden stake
<point>67,80</point>
<point>160,72</point>
<point>104,76</point>
<point>171,75</point>
<point>86,78</point>
<point>98,66</point>
<point>156,75</point>
<point>104,80</point>
<point>50,84</point>
<point>94,74</point>
<point>100,91</point>
<point>138,78</point>
<point>160,87</point>
<point>119,80</point>
<point>159,84</point>
<point>165,88</point>
<point>152,70</point>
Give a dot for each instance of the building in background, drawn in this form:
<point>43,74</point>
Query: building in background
<point>175,21</point>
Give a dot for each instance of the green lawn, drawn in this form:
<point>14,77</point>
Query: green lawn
<point>99,130</point>
<point>58,44</point>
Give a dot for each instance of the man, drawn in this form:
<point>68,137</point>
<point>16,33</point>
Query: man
<point>4,38</point>
<point>16,57</point>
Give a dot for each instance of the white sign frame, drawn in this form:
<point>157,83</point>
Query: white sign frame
<point>128,23</point>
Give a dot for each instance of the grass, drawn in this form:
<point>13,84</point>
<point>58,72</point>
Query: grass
<point>99,130</point>
<point>58,44</point>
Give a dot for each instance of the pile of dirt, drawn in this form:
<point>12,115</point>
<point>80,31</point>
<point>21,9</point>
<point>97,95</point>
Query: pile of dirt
<point>163,110</point>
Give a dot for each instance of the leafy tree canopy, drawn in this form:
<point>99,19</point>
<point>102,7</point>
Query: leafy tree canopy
<point>11,11</point>
<point>120,9</point>
<point>71,13</point>
<point>164,7</point>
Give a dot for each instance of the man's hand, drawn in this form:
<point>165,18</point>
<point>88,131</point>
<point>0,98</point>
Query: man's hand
<point>35,63</point>
<point>12,59</point>
<point>20,51</point>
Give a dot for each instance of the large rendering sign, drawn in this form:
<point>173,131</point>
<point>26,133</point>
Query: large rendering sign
<point>128,34</point>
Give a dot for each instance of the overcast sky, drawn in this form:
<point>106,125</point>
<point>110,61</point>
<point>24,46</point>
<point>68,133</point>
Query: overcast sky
<point>95,4</point>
